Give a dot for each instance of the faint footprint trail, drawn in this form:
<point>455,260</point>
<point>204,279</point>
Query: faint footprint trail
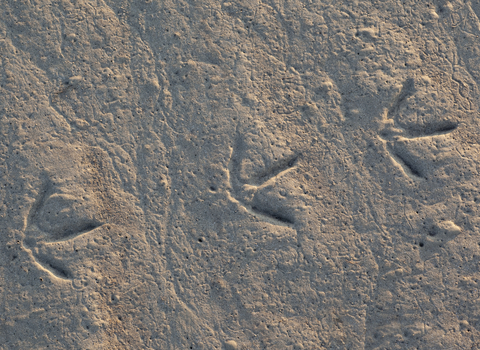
<point>244,192</point>
<point>39,235</point>
<point>398,139</point>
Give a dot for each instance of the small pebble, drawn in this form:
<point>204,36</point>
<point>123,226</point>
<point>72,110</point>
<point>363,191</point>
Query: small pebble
<point>231,345</point>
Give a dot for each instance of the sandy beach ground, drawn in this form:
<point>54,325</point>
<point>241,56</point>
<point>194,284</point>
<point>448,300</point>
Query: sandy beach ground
<point>239,175</point>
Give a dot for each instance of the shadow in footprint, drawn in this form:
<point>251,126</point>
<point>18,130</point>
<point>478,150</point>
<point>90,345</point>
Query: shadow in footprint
<point>401,134</point>
<point>245,191</point>
<point>54,266</point>
<point>53,218</point>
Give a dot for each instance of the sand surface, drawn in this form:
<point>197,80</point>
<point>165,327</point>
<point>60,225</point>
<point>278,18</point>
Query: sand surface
<point>264,174</point>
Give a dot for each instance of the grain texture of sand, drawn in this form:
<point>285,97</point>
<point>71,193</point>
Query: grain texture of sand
<point>240,175</point>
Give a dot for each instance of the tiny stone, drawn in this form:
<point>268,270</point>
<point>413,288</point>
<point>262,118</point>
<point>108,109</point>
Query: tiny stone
<point>231,345</point>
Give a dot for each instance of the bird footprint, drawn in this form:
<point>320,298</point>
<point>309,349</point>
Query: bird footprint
<point>55,218</point>
<point>247,185</point>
